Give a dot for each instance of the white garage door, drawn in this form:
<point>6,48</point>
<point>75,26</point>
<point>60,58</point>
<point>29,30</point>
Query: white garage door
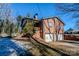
<point>48,37</point>
<point>60,37</point>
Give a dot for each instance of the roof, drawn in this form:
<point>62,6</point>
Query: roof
<point>53,18</point>
<point>45,19</point>
<point>28,18</point>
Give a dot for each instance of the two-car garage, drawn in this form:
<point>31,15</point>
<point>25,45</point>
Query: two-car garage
<point>53,37</point>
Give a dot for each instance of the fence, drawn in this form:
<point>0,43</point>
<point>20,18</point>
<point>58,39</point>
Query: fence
<point>71,37</point>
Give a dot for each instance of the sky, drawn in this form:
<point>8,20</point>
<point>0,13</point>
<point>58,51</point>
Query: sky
<point>44,10</point>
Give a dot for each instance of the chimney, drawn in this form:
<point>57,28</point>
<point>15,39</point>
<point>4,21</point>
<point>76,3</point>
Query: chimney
<point>36,16</point>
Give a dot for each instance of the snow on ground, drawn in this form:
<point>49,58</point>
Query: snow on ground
<point>23,44</point>
<point>10,47</point>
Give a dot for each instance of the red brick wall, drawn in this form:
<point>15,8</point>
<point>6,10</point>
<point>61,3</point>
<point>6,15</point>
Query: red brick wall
<point>53,29</point>
<point>44,28</point>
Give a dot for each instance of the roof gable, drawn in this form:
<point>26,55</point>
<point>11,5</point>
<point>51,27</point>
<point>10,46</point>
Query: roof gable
<point>54,18</point>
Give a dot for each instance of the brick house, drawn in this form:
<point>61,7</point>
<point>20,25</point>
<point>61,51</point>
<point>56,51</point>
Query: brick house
<point>50,29</point>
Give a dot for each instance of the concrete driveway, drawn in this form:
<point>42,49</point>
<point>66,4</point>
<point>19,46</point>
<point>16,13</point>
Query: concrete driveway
<point>67,46</point>
<point>70,43</point>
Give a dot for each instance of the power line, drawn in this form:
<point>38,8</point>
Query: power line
<point>39,10</point>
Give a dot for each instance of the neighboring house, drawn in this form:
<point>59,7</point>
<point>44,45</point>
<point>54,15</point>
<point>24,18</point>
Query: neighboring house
<point>71,31</point>
<point>75,32</point>
<point>49,29</point>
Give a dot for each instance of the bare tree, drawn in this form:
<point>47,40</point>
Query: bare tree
<point>72,9</point>
<point>6,17</point>
<point>5,10</point>
<point>66,8</point>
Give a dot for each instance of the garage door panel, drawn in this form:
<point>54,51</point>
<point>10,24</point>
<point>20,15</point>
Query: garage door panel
<point>60,37</point>
<point>48,37</point>
<point>53,37</point>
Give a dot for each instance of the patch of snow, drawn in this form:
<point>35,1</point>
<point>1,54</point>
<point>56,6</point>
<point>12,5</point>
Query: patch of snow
<point>23,45</point>
<point>13,52</point>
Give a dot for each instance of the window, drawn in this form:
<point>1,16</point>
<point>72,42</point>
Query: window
<point>60,27</point>
<point>50,24</point>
